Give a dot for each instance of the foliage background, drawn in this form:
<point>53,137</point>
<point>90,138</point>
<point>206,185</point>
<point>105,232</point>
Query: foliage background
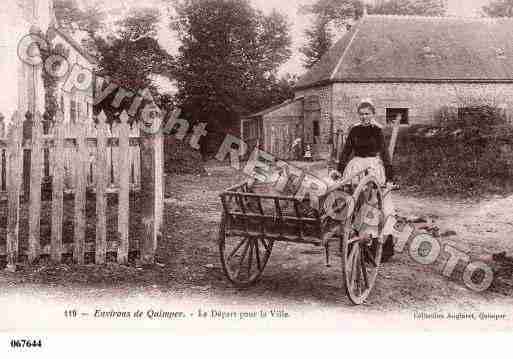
<point>461,156</point>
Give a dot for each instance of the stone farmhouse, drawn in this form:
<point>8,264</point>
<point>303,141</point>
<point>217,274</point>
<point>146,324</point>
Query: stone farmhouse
<point>415,67</point>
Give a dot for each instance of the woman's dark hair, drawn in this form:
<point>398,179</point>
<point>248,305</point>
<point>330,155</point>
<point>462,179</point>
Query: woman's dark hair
<point>363,105</point>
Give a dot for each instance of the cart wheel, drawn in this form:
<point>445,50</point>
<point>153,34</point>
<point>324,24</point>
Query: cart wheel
<point>362,243</point>
<point>243,258</point>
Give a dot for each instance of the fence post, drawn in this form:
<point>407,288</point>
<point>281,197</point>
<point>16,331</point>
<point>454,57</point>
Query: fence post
<point>3,160</point>
<point>81,165</point>
<point>159,179</point>
<point>14,159</point>
<point>135,156</point>
<point>124,168</point>
<point>27,139</point>
<point>101,189</point>
<point>36,163</point>
<point>150,125</point>
<point>2,126</point>
<point>340,144</point>
<point>57,188</point>
<point>46,151</point>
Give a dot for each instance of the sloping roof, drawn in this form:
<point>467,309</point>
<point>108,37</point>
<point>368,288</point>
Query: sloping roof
<point>73,43</point>
<point>273,108</point>
<point>413,48</point>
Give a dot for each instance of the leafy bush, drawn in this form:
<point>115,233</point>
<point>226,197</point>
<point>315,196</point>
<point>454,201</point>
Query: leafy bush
<point>465,155</point>
<point>181,158</point>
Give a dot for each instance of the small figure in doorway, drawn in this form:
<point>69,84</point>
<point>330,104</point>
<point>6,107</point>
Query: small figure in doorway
<point>308,153</point>
<point>296,148</point>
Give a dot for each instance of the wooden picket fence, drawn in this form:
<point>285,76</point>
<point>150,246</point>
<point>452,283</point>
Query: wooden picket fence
<point>83,157</point>
<point>68,157</point>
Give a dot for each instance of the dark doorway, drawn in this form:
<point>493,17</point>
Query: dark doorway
<point>316,131</point>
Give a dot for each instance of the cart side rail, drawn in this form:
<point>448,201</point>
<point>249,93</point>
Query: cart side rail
<point>280,217</point>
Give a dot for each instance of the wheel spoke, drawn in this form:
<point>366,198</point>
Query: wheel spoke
<point>237,248</point>
<point>250,259</point>
<point>370,256</point>
<point>257,250</point>
<point>351,255</point>
<point>364,271</point>
<point>352,263</point>
<point>246,247</point>
<point>267,248</point>
<point>356,269</point>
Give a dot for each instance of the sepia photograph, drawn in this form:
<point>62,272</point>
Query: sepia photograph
<point>200,166</point>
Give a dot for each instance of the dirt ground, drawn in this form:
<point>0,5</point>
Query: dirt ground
<point>188,259</point>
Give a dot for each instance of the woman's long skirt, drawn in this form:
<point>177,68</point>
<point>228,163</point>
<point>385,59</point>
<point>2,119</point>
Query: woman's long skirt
<point>376,169</point>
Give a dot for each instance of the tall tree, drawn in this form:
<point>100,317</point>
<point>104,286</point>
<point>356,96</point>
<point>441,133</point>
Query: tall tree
<point>499,8</point>
<point>132,54</point>
<point>228,60</point>
<point>410,7</point>
<point>318,42</point>
<point>71,17</point>
<point>341,14</point>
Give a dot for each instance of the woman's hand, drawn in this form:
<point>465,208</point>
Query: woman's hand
<point>391,186</point>
<point>335,175</point>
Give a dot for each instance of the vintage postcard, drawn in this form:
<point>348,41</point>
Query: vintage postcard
<point>253,165</point>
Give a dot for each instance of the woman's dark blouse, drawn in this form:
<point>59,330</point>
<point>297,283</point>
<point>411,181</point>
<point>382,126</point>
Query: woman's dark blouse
<point>365,141</point>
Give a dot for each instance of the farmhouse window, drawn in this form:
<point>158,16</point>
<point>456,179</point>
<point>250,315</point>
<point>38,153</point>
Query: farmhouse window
<point>400,114</point>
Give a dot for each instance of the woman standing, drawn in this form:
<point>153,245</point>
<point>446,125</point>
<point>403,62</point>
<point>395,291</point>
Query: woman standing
<point>365,148</point>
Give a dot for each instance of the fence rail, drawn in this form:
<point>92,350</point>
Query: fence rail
<point>75,158</point>
<point>71,133</point>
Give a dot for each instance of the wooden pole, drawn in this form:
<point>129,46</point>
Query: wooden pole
<point>57,188</point>
<point>27,139</point>
<point>14,157</point>
<point>2,155</point>
<point>124,188</point>
<point>35,189</point>
<point>2,126</point>
<point>81,165</point>
<point>393,139</point>
<point>102,175</point>
<point>149,127</point>
<point>159,180</point>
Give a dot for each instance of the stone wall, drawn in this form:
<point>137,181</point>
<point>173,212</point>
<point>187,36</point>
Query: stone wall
<point>423,100</point>
<point>338,101</point>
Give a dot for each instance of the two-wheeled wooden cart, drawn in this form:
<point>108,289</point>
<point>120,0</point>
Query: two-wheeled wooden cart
<point>350,214</point>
